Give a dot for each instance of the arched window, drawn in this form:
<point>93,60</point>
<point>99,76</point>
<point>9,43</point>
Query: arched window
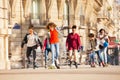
<point>35,9</point>
<point>35,12</point>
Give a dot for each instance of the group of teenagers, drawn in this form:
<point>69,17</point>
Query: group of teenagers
<point>73,45</point>
<point>98,44</point>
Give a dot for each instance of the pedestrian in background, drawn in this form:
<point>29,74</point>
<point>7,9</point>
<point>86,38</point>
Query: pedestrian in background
<point>32,40</point>
<point>73,44</point>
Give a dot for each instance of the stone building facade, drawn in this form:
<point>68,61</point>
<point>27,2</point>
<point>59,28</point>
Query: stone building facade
<point>4,61</point>
<point>17,15</point>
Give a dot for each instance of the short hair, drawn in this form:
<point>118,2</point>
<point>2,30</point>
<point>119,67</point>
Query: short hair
<point>91,35</point>
<point>74,27</point>
<point>51,24</point>
<point>31,27</point>
<point>102,30</point>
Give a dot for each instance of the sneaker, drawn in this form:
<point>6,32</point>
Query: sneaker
<point>76,65</point>
<point>92,65</point>
<point>52,66</point>
<point>57,61</point>
<point>46,66</point>
<point>57,64</point>
<point>106,65</point>
<point>28,64</point>
<point>70,63</point>
<point>103,64</point>
<point>34,65</point>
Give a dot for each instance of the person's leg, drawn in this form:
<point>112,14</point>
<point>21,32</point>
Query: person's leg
<point>57,50</point>
<point>75,55</point>
<point>70,54</point>
<point>70,57</point>
<point>91,55</point>
<point>108,58</point>
<point>29,49</point>
<point>53,53</point>
<point>57,55</point>
<point>34,57</point>
<point>46,56</point>
<point>98,58</point>
<point>105,55</point>
<point>93,58</point>
<point>76,58</point>
<point>101,58</point>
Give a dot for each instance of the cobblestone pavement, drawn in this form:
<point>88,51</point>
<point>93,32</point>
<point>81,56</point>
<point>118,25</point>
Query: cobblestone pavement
<point>84,72</point>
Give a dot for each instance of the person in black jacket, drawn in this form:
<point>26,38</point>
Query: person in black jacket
<point>32,40</point>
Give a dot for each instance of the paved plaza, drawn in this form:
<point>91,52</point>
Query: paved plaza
<point>84,72</point>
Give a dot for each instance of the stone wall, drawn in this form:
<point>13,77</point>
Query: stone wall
<point>4,61</point>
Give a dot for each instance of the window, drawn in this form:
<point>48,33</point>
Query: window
<point>35,10</point>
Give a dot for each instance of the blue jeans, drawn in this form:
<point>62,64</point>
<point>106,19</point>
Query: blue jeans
<point>100,60</point>
<point>47,50</point>
<point>103,53</point>
<point>92,57</point>
<point>55,51</point>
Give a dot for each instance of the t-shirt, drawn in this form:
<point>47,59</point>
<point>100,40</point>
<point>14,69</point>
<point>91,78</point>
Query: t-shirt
<point>31,40</point>
<point>54,36</point>
<point>73,41</point>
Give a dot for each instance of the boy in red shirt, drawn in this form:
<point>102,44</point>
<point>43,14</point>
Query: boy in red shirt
<point>73,44</point>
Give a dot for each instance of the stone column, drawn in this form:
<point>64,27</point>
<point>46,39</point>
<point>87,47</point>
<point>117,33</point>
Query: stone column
<point>13,8</point>
<point>4,35</point>
<point>71,12</point>
<point>60,5</point>
<point>88,10</point>
<point>77,12</point>
<point>42,12</point>
<point>27,8</point>
<point>49,4</point>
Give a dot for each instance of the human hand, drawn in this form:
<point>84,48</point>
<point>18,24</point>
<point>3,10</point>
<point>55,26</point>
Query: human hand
<point>66,47</point>
<point>43,49</point>
<point>22,49</point>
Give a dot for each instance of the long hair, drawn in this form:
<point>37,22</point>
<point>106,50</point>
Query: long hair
<point>51,24</point>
